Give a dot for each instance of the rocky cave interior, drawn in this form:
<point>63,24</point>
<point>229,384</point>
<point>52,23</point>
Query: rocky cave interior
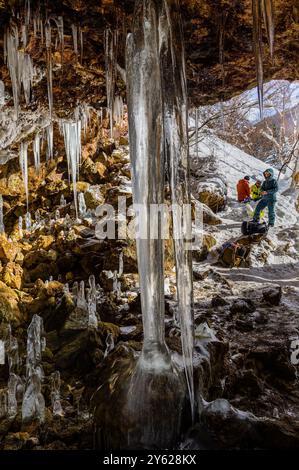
<point>242,358</point>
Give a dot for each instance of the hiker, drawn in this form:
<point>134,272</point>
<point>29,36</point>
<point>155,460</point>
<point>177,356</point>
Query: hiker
<point>243,189</point>
<point>268,197</point>
<point>255,190</point>
<point>255,194</point>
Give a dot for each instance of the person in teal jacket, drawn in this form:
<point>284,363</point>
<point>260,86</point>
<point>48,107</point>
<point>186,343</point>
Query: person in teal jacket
<point>268,194</point>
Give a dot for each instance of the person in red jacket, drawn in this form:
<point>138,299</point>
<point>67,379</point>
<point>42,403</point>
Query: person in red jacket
<point>243,189</point>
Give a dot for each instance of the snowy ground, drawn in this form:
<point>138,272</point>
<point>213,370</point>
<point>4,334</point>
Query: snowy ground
<point>276,258</point>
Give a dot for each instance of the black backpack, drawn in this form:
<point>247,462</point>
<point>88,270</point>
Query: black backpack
<point>251,227</point>
<point>233,254</point>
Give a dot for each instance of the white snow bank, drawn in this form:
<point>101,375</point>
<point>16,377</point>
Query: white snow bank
<point>233,164</point>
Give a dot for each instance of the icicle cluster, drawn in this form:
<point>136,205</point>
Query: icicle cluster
<point>86,299</point>
<point>72,142</point>
<point>19,64</point>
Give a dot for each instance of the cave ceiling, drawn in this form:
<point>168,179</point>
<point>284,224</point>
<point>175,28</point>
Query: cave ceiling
<point>218,43</point>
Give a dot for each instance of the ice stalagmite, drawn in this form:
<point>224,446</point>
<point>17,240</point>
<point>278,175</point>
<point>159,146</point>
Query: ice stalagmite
<point>34,345</point>
<point>81,301</point>
<point>13,355</point>
<point>3,403</point>
<point>92,303</point>
<point>55,394</point>
<point>12,405</point>
<point>177,153</point>
<point>33,405</point>
<point>24,167</point>
<point>82,205</point>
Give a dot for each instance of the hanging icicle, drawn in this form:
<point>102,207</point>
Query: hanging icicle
<point>11,53</point>
<point>262,9</point>
<point>81,44</point>
<point>258,49</point>
<point>60,30</point>
<point>196,131</point>
<point>19,64</point>
<point>82,112</point>
<point>49,134</point>
<point>75,38</point>
<point>24,166</point>
<point>26,74</point>
<point>268,13</point>
<point>24,35</point>
<point>118,110</point>
<point>72,142</point>
<point>110,65</point>
<point>49,65</point>
<point>36,153</point>
<point>27,12</point>
<point>175,112</point>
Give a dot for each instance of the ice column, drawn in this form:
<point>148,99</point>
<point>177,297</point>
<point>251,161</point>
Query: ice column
<point>147,160</point>
<point>177,153</point>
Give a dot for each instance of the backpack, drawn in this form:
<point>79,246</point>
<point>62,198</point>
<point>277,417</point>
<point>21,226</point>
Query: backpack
<point>233,254</point>
<point>251,227</point>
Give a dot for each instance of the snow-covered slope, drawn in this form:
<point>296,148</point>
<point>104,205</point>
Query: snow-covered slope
<point>233,164</point>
